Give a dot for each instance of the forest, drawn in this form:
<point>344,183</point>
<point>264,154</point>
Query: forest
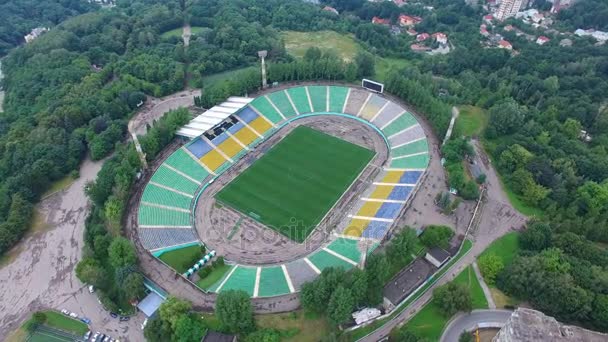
<point>70,93</point>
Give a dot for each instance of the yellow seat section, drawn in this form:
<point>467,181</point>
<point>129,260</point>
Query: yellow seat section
<point>382,191</point>
<point>260,125</point>
<point>245,136</point>
<point>230,147</point>
<point>213,159</point>
<point>356,227</point>
<point>392,176</point>
<point>369,209</point>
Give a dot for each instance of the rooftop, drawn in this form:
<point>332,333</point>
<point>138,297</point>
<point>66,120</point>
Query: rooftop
<point>408,280</point>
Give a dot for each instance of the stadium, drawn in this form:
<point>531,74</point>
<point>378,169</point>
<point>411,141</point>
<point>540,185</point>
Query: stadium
<point>284,185</point>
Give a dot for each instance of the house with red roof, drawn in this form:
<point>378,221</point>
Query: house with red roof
<point>419,48</point>
<point>503,44</point>
<point>406,20</point>
<point>411,32</point>
<point>331,9</point>
<point>440,37</point>
<point>422,37</point>
<point>399,2</point>
<point>488,18</point>
<point>380,21</point>
<point>542,40</point>
<point>483,30</point>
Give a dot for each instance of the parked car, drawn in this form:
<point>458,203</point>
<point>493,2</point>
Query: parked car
<point>65,312</point>
<point>87,335</point>
<point>73,315</point>
<point>95,336</point>
<point>100,338</point>
<point>85,320</point>
<point>91,289</point>
<point>107,338</point>
<point>124,318</point>
<point>113,314</point>
<point>143,325</point>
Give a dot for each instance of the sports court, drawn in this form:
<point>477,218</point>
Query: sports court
<point>292,186</point>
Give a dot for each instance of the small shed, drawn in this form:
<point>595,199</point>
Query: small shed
<point>437,256</point>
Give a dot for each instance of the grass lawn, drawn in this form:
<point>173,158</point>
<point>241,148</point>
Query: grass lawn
<point>210,80</point>
<point>173,33</point>
<point>345,46</point>
<point>213,277</point>
<point>386,65</point>
<point>180,259</point>
<point>472,121</point>
<point>468,278</point>
<point>57,320</point>
<point>292,186</point>
<point>295,326</point>
<point>505,248</point>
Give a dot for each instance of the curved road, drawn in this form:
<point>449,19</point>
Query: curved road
<point>470,321</point>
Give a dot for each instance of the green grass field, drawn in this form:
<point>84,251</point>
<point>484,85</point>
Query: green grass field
<point>213,277</point>
<point>344,46</point>
<point>472,121</point>
<point>178,32</point>
<point>182,259</point>
<point>210,80</point>
<point>292,186</point>
<point>505,248</point>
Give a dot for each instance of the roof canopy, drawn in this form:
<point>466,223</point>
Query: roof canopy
<point>213,116</point>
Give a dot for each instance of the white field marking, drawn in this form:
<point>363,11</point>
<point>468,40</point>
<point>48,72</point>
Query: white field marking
<point>181,174</point>
<point>407,143</point>
<point>410,155</point>
<point>171,189</point>
<point>262,115</point>
<point>404,130</point>
<point>149,204</point>
<point>327,100</point>
<point>309,100</point>
<point>357,238</point>
<point>310,264</point>
<point>218,150</point>
<point>369,96</point>
<point>368,218</point>
<point>386,200</point>
<point>293,105</point>
<point>380,111</point>
<point>393,119</point>
<point>288,279</point>
<point>394,184</point>
<point>247,125</point>
<point>164,227</point>
<point>275,107</point>
<point>198,161</point>
<point>346,101</point>
<point>256,288</point>
<point>179,244</point>
<point>226,279</point>
<point>402,169</point>
<point>339,256</point>
<point>237,141</point>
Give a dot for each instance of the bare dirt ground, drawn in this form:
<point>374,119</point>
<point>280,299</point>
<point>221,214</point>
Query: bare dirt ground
<point>42,275</point>
<point>252,243</point>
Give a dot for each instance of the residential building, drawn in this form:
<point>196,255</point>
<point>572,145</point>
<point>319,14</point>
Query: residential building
<point>380,21</point>
<point>407,21</point>
<point>503,44</point>
<point>422,37</point>
<point>542,40</point>
<point>488,19</point>
<point>35,33</point>
<point>483,30</point>
<point>411,32</point>
<point>399,2</point>
<point>508,8</point>
<point>440,37</point>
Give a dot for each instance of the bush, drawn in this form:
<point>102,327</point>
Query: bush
<point>490,266</point>
<point>436,236</point>
<point>204,272</point>
<point>39,317</point>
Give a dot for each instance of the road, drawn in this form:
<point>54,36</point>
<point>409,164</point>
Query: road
<point>470,321</point>
<point>497,218</point>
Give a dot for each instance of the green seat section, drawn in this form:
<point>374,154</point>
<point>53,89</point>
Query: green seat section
<point>157,195</point>
<point>154,216</point>
<point>272,282</point>
<point>402,122</point>
<point>281,101</point>
<point>264,107</point>
<point>174,180</point>
<point>347,248</point>
<point>318,97</point>
<point>300,99</point>
<point>323,260</point>
<point>243,278</point>
<point>213,288</point>
<point>183,162</point>
<point>414,162</point>
<point>337,97</point>
<point>411,148</point>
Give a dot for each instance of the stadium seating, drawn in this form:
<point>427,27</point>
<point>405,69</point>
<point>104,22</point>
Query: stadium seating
<point>318,97</point>
<point>388,210</point>
<point>198,147</point>
<point>300,273</point>
<point>376,229</point>
<point>281,101</point>
<point>213,160</point>
<point>169,178</point>
<point>387,115</point>
<point>247,114</point>
<point>369,209</point>
<point>337,97</point>
<point>260,125</point>
<point>243,278</point>
<point>323,260</point>
<point>356,227</point>
<point>263,107</point>
<point>246,136</point>
<point>180,160</point>
<point>157,238</point>
<point>299,98</point>
<point>156,195</point>
<point>410,134</point>
<point>382,191</point>
<point>356,99</point>
<point>403,121</point>
<point>161,217</point>
<point>410,177</point>
<point>419,161</point>
<point>400,193</point>
<point>372,107</point>
<point>230,146</point>
<point>272,282</point>
<point>410,148</point>
<point>347,248</point>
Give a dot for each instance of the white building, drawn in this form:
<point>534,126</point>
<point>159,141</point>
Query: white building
<point>507,9</point>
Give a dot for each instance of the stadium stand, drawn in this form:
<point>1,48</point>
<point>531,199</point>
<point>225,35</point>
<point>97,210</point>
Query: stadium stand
<point>242,278</point>
<point>162,217</point>
<point>213,160</point>
<point>382,191</point>
<point>388,210</point>
<point>403,121</point>
<point>300,273</point>
<point>246,136</point>
<point>386,115</point>
<point>318,97</point>
<point>198,147</point>
<point>400,193</point>
<point>376,229</point>
<point>157,238</point>
<point>369,209</point>
<point>410,177</point>
<point>323,259</point>
<point>419,161</point>
<point>372,107</point>
<point>260,125</point>
<point>263,107</point>
<point>337,97</point>
<point>229,146</point>
<point>299,98</point>
<point>156,195</point>
<point>281,101</point>
<point>182,161</point>
<point>410,148</point>
<point>356,227</point>
<point>272,282</point>
<point>169,178</point>
<point>356,99</point>
<point>412,133</point>
<point>347,248</point>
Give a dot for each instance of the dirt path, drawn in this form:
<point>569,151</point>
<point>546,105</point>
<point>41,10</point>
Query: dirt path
<point>42,274</point>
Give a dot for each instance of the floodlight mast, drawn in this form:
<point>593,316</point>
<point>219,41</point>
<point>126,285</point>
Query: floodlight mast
<point>262,54</point>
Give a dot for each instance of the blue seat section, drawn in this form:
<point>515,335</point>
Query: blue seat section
<point>388,210</point>
<point>219,139</point>
<point>376,229</point>
<point>400,193</point>
<point>247,115</point>
<point>410,177</point>
<point>198,147</point>
<point>235,128</point>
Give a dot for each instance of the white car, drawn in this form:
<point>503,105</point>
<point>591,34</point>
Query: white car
<point>73,315</point>
<point>143,325</point>
<point>91,289</point>
<point>65,312</point>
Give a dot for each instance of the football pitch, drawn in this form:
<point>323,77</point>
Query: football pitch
<point>292,186</point>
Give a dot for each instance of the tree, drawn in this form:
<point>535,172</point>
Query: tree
<point>505,118</point>
<point>188,329</point>
<point>436,236</point>
<point>490,266</point>
<point>313,53</point>
<point>453,297</point>
<point>365,64</point>
<point>340,306</point>
<point>264,335</point>
<point>39,317</point>
<point>378,270</point>
<point>133,286</point>
<point>402,246</point>
<point>233,310</point>
<point>122,253</point>
<point>465,337</point>
<point>172,309</point>
<point>358,283</point>
<point>536,237</point>
<point>158,330</point>
<point>90,271</point>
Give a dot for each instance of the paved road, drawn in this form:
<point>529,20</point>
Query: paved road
<point>497,217</point>
<point>470,321</point>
